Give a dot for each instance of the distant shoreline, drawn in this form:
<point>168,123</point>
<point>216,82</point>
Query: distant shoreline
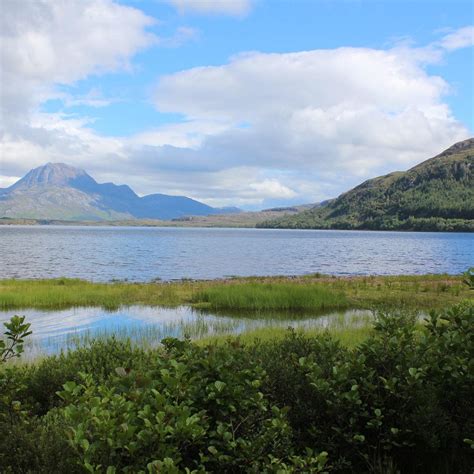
<point>204,222</point>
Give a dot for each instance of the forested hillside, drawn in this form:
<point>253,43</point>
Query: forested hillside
<point>437,194</point>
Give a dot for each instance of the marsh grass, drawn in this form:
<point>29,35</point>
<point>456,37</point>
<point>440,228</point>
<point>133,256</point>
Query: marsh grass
<point>349,328</point>
<point>260,297</point>
<point>65,293</point>
<point>311,292</point>
<point>150,335</point>
<point>349,336</point>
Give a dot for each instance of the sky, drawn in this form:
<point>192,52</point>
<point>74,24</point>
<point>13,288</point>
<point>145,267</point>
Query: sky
<point>248,103</point>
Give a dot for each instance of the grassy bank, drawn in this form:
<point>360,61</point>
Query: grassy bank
<point>65,293</point>
<point>311,292</point>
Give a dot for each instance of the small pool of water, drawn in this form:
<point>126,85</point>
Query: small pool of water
<point>54,331</point>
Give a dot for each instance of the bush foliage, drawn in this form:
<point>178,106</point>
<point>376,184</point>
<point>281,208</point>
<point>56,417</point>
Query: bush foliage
<point>399,402</point>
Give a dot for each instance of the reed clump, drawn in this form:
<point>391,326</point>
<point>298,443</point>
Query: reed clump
<point>256,297</point>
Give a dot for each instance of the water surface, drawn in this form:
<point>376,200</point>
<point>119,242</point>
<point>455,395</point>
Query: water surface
<point>54,331</point>
<point>143,254</point>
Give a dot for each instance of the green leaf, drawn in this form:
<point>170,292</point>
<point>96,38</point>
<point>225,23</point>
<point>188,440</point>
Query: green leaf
<point>84,444</point>
<point>212,450</point>
<point>120,371</point>
<point>219,385</point>
<point>69,386</point>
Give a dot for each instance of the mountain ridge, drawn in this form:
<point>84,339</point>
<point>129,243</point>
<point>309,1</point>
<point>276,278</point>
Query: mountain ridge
<point>61,191</point>
<point>436,194</point>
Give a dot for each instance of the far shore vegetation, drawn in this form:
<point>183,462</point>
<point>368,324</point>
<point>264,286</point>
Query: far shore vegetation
<point>305,293</point>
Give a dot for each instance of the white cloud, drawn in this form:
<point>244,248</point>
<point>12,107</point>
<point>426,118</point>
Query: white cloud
<point>272,188</point>
<point>262,129</point>
<point>223,7</point>
<point>256,85</point>
<point>44,43</point>
<point>190,134</point>
<point>49,42</point>
<point>351,111</point>
<point>461,38</point>
<point>93,98</point>
<point>6,181</point>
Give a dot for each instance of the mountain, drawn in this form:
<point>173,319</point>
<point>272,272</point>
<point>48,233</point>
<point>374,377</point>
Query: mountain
<point>59,191</point>
<point>437,195</point>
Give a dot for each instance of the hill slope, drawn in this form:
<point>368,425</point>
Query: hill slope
<point>437,194</point>
<point>59,191</point>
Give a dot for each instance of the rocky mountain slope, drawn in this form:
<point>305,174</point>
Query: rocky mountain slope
<point>59,191</point>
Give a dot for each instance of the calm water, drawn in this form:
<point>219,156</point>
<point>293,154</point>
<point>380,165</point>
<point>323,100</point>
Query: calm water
<point>142,254</point>
<point>66,329</point>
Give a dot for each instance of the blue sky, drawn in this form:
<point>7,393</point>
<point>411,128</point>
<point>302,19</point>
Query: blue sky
<point>277,26</point>
<point>267,124</point>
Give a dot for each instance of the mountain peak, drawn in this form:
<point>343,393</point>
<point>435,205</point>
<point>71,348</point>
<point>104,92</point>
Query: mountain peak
<point>51,174</point>
<point>60,191</point>
<point>459,147</point>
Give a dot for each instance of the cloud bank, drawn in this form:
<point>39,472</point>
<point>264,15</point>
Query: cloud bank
<point>262,129</point>
<point>213,7</point>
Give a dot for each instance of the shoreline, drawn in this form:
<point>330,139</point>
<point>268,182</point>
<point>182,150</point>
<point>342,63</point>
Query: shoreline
<point>201,222</point>
<point>287,293</point>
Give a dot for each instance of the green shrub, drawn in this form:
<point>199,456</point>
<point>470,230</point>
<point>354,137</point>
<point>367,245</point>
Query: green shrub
<point>195,408</point>
<point>401,401</point>
<point>44,379</point>
<point>403,396</point>
<point>36,445</point>
<point>287,382</point>
<point>16,331</point>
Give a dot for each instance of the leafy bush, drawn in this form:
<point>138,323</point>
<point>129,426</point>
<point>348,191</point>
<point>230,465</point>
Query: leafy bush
<point>99,360</point>
<point>15,334</point>
<point>399,402</point>
<point>195,408</point>
<point>36,445</point>
<point>402,397</point>
<point>469,278</point>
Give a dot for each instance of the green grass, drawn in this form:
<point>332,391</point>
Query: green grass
<point>306,293</point>
<point>66,293</point>
<point>349,337</point>
<point>348,327</point>
<point>258,297</point>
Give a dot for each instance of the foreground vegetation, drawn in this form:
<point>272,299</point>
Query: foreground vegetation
<point>401,401</point>
<point>307,293</point>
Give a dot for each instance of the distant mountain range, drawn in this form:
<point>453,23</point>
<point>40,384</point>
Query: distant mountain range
<point>62,192</point>
<point>436,195</point>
